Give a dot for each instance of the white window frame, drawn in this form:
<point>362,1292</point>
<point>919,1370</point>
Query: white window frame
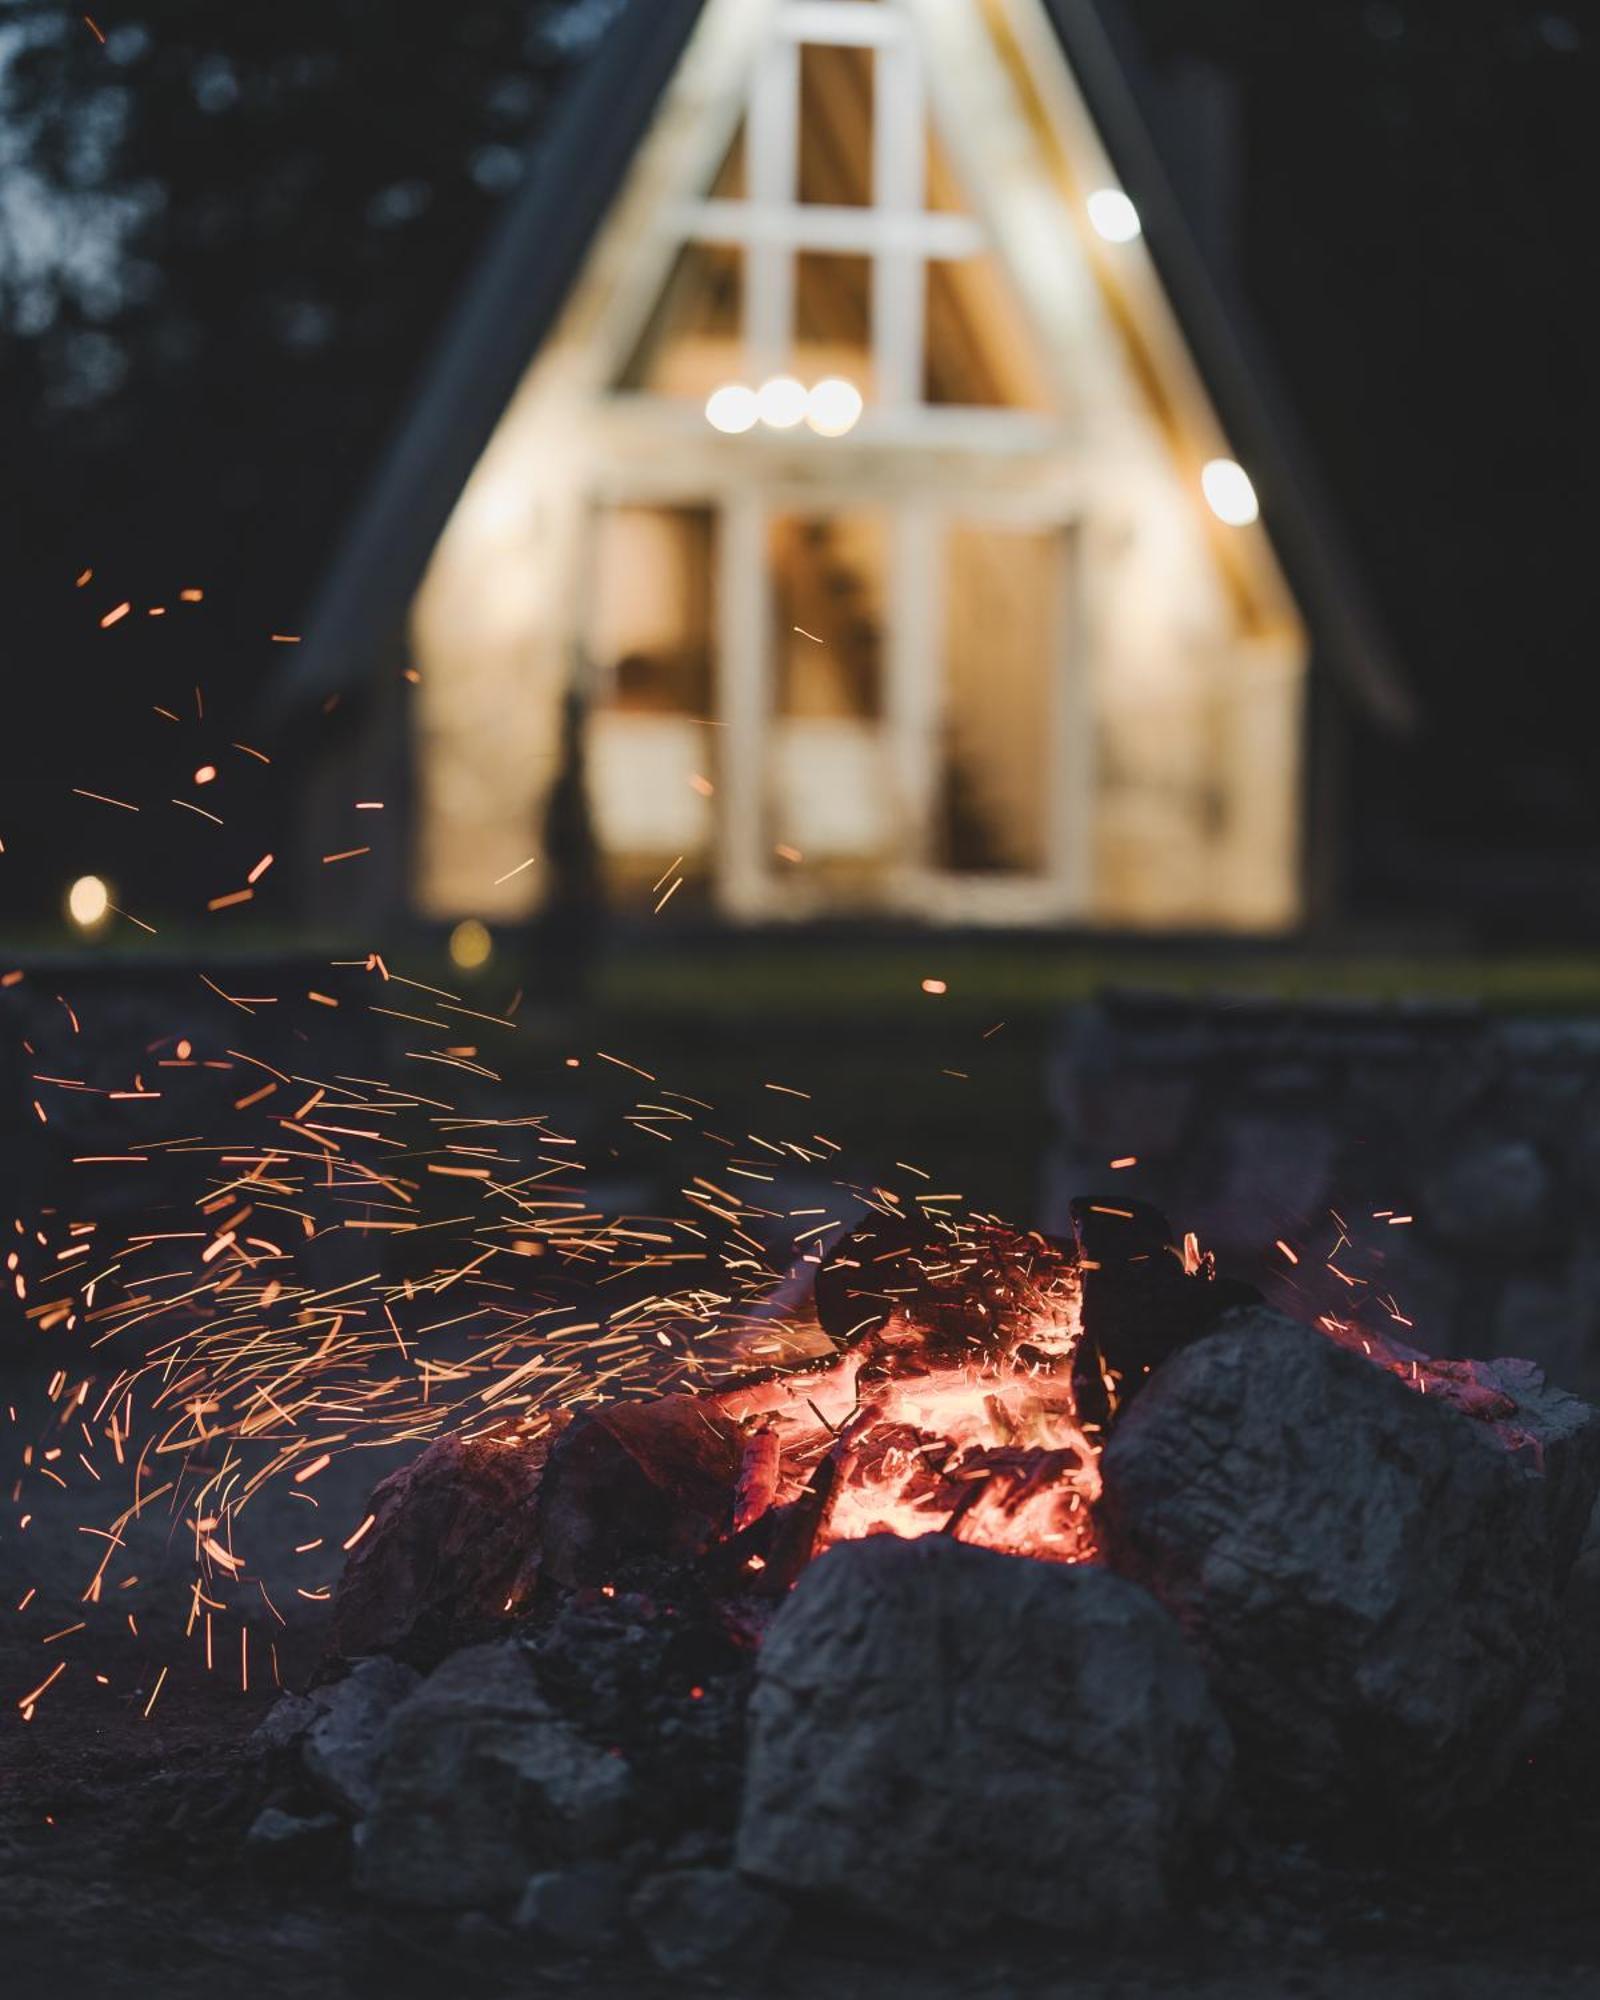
<point>895,230</point>
<point>928,491</point>
<point>749,882</point>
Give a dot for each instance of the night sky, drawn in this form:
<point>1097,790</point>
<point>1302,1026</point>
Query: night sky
<point>227,237</point>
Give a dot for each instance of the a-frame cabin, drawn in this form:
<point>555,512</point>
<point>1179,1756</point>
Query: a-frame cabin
<point>845,417</point>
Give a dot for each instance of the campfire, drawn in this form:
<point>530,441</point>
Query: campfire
<point>971,1375</point>
<point>951,1410</point>
<point>943,1571</point>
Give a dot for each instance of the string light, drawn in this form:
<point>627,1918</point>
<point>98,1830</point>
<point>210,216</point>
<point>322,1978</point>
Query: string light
<point>830,407</point>
<point>833,406</point>
<point>1113,216</point>
<point>470,945</point>
<point>732,408</point>
<point>1229,493</point>
<point>781,402</point>
<point>88,902</point>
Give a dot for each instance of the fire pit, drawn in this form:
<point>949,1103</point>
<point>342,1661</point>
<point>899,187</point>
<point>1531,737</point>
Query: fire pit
<point>1061,1548</point>
<point>972,1375</point>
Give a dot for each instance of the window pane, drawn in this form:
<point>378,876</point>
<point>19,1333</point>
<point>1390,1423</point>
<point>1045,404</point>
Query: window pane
<point>649,624</point>
<point>828,613</point>
<point>827,796</point>
<point>693,340</point>
<point>833,317</point>
<point>729,183</point>
<point>648,634</point>
<point>979,348</point>
<point>835,163</point>
<point>943,190</point>
<point>1002,625</point>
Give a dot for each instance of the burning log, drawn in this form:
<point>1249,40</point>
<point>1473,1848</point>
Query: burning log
<point>899,1290</point>
<point>1144,1299</point>
<point>758,1478</point>
<point>639,1480</point>
<point>453,1546</point>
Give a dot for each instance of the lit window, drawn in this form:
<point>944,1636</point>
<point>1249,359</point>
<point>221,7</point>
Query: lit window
<point>817,252</point>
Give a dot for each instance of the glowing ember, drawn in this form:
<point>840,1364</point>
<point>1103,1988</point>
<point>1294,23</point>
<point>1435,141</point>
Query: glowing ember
<point>953,1413</point>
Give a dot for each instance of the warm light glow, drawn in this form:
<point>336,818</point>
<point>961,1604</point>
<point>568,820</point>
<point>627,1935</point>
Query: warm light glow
<point>1114,217</point>
<point>732,408</point>
<point>833,406</point>
<point>1228,491</point>
<point>88,902</point>
<point>470,945</point>
<point>205,774</point>
<point>781,402</point>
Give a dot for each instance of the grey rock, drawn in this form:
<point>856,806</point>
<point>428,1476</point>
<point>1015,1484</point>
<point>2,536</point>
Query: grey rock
<point>1550,1434</point>
<point>1366,1571</point>
<point>1493,1195</point>
<point>706,1919</point>
<point>288,1719</point>
<point>479,1783</point>
<point>582,1909</point>
<point>477,1933</point>
<point>944,1737</point>
<point>1555,1436</point>
<point>1278,1165</point>
<point>1580,1635</point>
<point>276,1834</point>
<point>1541,1317</point>
<point>340,1747</point>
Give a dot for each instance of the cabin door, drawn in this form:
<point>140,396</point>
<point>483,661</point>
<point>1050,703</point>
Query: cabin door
<point>898,709</point>
<point>1010,765</point>
<point>814,709</point>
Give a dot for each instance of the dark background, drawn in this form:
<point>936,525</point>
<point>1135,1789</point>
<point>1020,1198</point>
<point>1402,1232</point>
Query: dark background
<point>228,235</point>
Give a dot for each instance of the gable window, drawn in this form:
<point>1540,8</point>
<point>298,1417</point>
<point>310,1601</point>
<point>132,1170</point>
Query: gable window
<point>835,240</point>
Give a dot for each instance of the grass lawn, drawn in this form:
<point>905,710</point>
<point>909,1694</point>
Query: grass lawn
<point>954,1082</point>
<point>951,1082</point>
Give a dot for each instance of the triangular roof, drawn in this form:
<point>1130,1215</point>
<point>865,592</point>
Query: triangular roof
<point>535,257</point>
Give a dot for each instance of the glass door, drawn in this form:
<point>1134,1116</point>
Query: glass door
<point>828,803</point>
<point>1008,825</point>
<point>648,638</point>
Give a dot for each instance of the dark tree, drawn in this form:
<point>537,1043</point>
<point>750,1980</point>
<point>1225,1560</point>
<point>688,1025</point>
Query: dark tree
<point>227,236</point>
